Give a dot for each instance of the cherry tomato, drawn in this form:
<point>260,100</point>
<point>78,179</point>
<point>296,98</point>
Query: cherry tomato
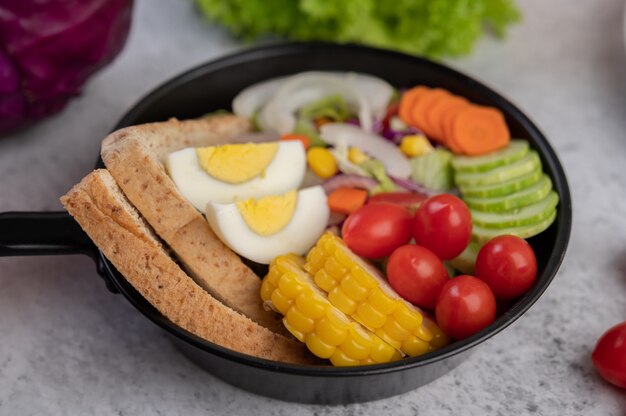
<point>376,230</point>
<point>609,355</point>
<point>405,199</point>
<point>443,224</point>
<point>508,265</point>
<point>417,274</point>
<point>465,306</point>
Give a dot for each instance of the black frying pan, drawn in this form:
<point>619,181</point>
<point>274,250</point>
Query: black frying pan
<point>212,86</point>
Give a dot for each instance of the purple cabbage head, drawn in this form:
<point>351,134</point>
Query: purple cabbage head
<point>48,49</point>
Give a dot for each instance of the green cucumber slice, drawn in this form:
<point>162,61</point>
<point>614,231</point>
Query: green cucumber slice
<point>530,214</point>
<point>466,261</point>
<point>520,199</point>
<point>522,167</point>
<point>504,188</point>
<point>481,235</point>
<point>516,150</point>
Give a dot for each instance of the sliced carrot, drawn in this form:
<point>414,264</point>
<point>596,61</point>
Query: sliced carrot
<point>418,112</point>
<point>300,137</point>
<point>346,200</point>
<point>478,130</point>
<point>408,101</point>
<point>435,114</point>
<point>446,127</point>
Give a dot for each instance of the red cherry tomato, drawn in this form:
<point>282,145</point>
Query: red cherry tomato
<point>417,274</point>
<point>508,265</point>
<point>405,199</point>
<point>376,230</point>
<point>443,224</point>
<point>465,306</point>
<point>609,355</point>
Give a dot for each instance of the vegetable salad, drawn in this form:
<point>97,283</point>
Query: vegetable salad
<point>381,213</point>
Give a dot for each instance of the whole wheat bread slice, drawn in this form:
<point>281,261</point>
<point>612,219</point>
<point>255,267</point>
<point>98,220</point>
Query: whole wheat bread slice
<point>118,230</point>
<point>135,157</point>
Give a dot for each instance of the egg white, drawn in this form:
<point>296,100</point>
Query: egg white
<point>285,172</point>
<point>298,236</point>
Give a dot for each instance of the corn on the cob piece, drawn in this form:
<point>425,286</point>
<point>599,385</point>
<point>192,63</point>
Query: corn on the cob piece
<point>310,317</point>
<point>359,290</point>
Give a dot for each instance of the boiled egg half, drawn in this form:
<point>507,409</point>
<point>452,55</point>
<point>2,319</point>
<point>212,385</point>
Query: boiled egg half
<point>235,172</point>
<point>261,229</point>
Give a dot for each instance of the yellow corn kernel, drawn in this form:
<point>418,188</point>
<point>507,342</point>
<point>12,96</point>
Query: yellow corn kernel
<point>351,286</point>
<point>319,347</point>
<point>300,321</point>
<point>440,339</point>
<point>369,316</point>
<point>356,288</point>
<point>298,334</point>
<point>312,319</point>
<point>415,145</point>
<point>316,258</point>
<point>322,162</point>
<point>356,156</point>
<point>341,301</point>
<point>331,334</point>
<point>354,349</point>
<point>311,305</point>
<point>280,302</point>
<point>381,302</point>
<point>415,346</point>
<point>324,280</point>
<point>408,319</point>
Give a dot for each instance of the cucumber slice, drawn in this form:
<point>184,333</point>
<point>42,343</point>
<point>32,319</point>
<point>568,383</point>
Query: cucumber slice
<point>504,188</point>
<point>466,261</point>
<point>522,167</point>
<point>520,199</point>
<point>516,150</point>
<point>530,214</point>
<point>481,235</point>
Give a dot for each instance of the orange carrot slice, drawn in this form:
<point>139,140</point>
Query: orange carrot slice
<point>408,101</point>
<point>446,127</point>
<point>434,115</point>
<point>478,130</point>
<point>426,101</point>
<point>346,200</point>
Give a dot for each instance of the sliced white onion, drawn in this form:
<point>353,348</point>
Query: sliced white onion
<point>376,90</point>
<point>343,162</point>
<point>279,114</point>
<point>376,146</point>
<point>252,98</point>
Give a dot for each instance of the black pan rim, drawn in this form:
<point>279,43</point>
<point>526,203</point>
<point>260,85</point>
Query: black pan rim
<point>564,218</point>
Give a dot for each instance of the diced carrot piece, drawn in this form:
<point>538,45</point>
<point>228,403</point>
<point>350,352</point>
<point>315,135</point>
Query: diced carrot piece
<point>346,200</point>
<point>306,142</point>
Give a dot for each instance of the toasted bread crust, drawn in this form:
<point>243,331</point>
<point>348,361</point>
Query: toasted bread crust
<point>135,156</point>
<point>118,230</point>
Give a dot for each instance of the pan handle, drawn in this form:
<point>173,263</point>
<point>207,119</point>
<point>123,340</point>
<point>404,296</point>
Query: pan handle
<point>47,233</point>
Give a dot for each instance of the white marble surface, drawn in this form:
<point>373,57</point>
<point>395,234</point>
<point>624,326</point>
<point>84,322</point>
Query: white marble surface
<point>69,347</point>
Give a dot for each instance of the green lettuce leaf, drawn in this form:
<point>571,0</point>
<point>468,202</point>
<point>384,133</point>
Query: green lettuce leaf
<point>425,27</point>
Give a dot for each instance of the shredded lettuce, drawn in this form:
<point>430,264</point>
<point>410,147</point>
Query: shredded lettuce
<point>332,107</point>
<point>377,170</point>
<point>425,27</point>
<point>433,170</point>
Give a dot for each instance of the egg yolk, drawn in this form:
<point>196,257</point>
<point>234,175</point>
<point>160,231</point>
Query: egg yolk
<point>236,163</point>
<point>269,215</point>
